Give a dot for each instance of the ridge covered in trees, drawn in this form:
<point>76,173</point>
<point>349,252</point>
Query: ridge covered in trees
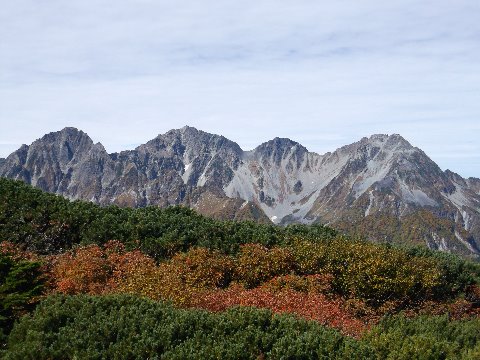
<point>47,224</point>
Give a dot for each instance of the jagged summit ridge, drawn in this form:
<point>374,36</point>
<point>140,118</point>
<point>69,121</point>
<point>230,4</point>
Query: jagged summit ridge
<point>288,180</point>
<point>380,175</point>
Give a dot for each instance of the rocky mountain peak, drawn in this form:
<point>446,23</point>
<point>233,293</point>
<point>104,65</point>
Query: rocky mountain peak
<point>392,143</point>
<point>279,149</point>
<point>456,178</point>
<point>389,140</point>
<point>60,145</point>
<point>381,175</point>
<point>50,161</point>
<point>190,143</point>
<point>69,134</point>
<point>374,157</point>
<point>282,144</point>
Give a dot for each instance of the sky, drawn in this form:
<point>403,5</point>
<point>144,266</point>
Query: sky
<point>323,73</point>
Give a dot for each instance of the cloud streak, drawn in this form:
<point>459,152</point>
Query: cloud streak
<point>322,73</point>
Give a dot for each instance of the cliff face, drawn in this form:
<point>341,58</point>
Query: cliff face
<point>382,185</point>
<point>184,166</point>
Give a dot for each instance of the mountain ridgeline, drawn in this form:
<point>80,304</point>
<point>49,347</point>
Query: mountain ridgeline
<point>381,186</point>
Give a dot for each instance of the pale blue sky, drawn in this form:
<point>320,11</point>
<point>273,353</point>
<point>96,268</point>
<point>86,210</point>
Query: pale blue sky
<point>323,73</point>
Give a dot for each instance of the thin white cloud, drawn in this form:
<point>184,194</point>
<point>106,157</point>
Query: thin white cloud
<point>322,73</point>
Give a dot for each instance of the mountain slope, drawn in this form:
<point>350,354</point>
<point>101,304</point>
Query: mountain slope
<point>381,184</point>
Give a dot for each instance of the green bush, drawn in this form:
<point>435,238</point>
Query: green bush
<point>20,283</point>
<point>426,338</point>
<point>127,327</point>
<point>256,264</point>
<point>368,271</point>
<point>457,273</point>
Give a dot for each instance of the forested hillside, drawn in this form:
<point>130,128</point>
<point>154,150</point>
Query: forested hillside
<point>48,224</point>
<point>169,283</point>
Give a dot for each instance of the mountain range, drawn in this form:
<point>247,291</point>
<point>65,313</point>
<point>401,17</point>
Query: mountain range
<point>381,187</point>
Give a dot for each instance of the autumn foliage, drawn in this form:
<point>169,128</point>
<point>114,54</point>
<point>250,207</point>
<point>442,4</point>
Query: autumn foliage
<point>95,270</point>
<point>344,284</point>
<point>178,257</point>
<point>256,264</point>
<point>312,305</point>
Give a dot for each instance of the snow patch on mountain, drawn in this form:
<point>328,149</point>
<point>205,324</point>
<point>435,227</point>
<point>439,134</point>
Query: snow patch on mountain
<point>187,171</point>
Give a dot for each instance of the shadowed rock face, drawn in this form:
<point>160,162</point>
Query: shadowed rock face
<point>356,186</point>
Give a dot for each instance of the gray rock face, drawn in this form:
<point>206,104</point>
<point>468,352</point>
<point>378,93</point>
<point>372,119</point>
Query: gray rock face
<point>377,177</point>
<point>184,166</point>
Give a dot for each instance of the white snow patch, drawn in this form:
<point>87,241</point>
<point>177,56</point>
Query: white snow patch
<point>187,172</point>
